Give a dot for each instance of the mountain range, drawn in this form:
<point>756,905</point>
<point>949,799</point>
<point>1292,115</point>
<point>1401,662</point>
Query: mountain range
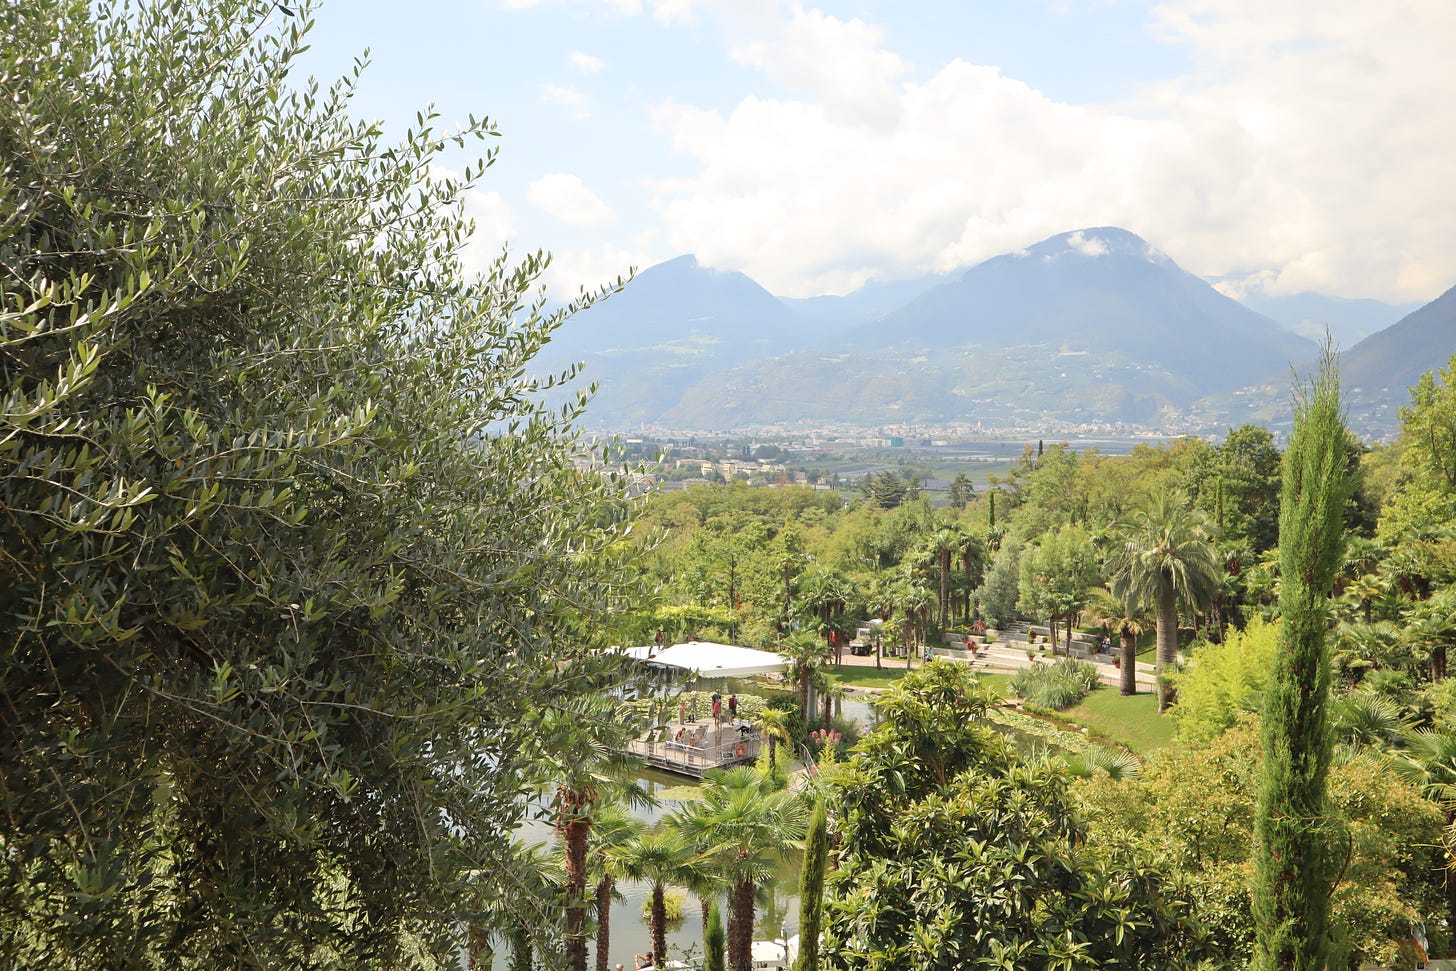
<point>1091,327</point>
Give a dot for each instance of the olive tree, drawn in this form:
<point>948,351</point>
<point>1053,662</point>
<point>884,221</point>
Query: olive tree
<point>291,550</point>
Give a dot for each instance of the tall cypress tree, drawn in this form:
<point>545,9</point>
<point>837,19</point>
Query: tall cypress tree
<point>811,889</point>
<point>1293,853</point>
<point>714,939</point>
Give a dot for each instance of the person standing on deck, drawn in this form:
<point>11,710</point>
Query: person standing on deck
<point>717,709</point>
<point>733,707</point>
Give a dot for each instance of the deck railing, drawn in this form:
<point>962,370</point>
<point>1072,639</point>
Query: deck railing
<point>730,748</point>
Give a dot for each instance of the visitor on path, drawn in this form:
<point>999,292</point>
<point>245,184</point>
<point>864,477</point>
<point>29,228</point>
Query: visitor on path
<point>733,707</point>
<point>927,653</point>
<point>658,638</point>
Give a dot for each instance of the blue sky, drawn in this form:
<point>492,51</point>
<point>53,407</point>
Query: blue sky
<point>815,146</point>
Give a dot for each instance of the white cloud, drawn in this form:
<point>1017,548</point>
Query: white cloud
<point>837,62</point>
<point>674,11</point>
<point>572,99</point>
<point>1087,245</point>
<point>565,197</point>
<point>591,267</point>
<point>664,11</point>
<point>1309,152</point>
<point>584,63</point>
<point>494,223</point>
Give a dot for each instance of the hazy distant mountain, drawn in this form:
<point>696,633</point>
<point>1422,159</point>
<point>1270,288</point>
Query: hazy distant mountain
<point>1093,326</point>
<point>1102,292</point>
<point>672,324</point>
<point>1309,314</point>
<point>1375,374</point>
<point>1378,371</point>
<point>681,300</point>
<point>874,299</point>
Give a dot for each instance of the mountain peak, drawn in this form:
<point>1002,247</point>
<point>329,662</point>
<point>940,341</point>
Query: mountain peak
<point>1097,241</point>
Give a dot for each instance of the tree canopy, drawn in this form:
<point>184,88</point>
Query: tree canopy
<point>954,854</point>
<point>291,552</point>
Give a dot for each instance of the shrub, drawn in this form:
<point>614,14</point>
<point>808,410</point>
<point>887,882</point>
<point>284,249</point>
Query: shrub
<point>673,903</point>
<point>1056,686</point>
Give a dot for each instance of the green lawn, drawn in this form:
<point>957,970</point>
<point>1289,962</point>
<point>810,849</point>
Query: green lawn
<point>1132,721</point>
<point>895,670</point>
<point>859,677</point>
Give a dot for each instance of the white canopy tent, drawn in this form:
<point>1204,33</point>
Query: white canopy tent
<point>717,660</point>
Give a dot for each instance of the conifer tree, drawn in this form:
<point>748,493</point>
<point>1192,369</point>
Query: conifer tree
<point>1294,847</point>
<point>811,889</point>
<point>714,940</point>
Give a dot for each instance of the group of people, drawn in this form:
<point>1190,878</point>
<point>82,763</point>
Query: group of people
<point>718,708</point>
<point>685,737</point>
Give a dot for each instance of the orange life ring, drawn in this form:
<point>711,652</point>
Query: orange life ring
<point>740,750</point>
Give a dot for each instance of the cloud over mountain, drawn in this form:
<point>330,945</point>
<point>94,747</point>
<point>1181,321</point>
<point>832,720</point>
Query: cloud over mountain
<point>1272,158</point>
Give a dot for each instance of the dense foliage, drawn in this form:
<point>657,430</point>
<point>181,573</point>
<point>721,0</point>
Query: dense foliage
<point>292,563</point>
<point>953,854</point>
<point>1056,686</point>
<point>1385,834</point>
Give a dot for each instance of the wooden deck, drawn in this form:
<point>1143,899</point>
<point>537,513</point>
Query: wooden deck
<point>704,746</point>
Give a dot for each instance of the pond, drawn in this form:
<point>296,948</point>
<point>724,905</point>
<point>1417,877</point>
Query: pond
<point>777,911</point>
<point>777,914</point>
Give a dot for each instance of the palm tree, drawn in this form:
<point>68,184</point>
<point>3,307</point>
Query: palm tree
<point>924,609</point>
<point>903,599</point>
<point>973,562</point>
<point>1361,557</point>
<point>1129,622</point>
<point>700,873</point>
<point>1430,763</point>
<point>773,724</point>
<point>613,827</point>
<point>1366,720</point>
<point>944,544</point>
<point>748,826</point>
<point>824,595</point>
<point>1363,591</point>
<point>1361,648</point>
<point>1164,556</point>
<point>882,604</point>
<point>806,654</point>
<point>657,858</point>
<point>535,874</point>
<point>1432,623</point>
<point>833,692</point>
<point>584,742</point>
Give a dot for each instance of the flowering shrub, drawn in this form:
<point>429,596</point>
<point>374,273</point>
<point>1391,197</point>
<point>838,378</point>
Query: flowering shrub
<point>826,742</point>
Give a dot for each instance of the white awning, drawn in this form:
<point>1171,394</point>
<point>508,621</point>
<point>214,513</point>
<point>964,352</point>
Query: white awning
<point>719,660</point>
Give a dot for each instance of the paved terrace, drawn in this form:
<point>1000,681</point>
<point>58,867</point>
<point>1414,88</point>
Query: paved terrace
<point>1006,654</point>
